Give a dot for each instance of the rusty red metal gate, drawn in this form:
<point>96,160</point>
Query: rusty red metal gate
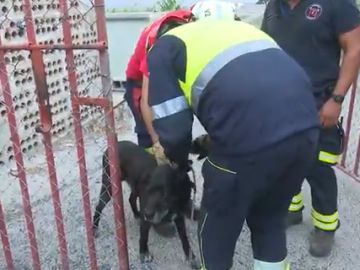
<point>35,16</point>
<point>350,161</point>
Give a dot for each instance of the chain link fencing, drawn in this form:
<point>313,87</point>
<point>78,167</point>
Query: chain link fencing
<point>56,120</point>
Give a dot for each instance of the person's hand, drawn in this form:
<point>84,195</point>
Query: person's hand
<point>159,153</point>
<point>329,113</point>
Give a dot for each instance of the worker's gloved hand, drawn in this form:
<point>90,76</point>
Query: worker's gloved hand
<point>159,153</point>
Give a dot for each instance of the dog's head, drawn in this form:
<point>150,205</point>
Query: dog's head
<point>200,146</point>
<point>167,194</point>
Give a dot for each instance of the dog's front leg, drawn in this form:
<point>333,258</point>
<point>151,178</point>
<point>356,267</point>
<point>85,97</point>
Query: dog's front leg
<point>181,228</point>
<point>133,203</point>
<point>145,256</point>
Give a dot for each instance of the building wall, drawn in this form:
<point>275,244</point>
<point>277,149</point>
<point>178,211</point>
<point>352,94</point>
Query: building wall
<point>48,28</point>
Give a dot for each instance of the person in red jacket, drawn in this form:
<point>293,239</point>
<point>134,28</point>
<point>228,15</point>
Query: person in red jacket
<point>137,84</point>
<point>137,74</point>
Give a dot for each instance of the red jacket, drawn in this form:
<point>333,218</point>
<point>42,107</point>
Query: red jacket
<point>137,66</point>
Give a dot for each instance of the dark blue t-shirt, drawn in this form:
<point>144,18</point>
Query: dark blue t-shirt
<point>309,33</point>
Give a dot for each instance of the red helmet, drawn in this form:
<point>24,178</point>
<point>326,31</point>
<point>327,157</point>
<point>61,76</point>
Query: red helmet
<point>180,16</point>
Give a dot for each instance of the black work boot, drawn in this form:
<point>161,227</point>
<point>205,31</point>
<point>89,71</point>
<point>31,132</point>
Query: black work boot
<point>294,218</point>
<point>321,243</point>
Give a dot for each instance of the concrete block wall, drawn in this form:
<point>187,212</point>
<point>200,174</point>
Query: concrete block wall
<point>48,28</point>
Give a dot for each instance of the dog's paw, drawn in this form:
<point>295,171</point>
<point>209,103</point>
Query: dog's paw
<point>146,258</point>
<point>95,232</point>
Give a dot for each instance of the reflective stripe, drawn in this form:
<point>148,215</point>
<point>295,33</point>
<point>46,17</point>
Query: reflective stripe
<point>296,203</point>
<point>260,265</point>
<point>296,207</point>
<point>222,59</point>
<point>220,168</point>
<point>325,218</point>
<point>203,267</point>
<point>325,222</point>
<point>297,198</point>
<point>169,107</point>
<point>325,226</point>
<point>328,157</point>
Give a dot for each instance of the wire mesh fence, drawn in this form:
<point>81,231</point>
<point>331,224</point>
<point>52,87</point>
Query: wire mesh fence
<point>56,120</point>
<point>350,162</point>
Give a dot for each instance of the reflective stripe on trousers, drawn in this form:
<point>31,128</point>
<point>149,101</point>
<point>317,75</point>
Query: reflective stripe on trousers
<point>297,203</point>
<point>328,158</point>
<point>325,222</point>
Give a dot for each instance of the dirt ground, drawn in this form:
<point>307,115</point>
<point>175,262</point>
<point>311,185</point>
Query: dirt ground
<point>168,253</point>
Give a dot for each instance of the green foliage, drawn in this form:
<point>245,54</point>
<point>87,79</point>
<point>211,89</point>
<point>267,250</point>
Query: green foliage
<point>166,5</point>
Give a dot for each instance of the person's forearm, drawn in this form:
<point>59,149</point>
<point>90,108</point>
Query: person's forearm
<point>348,71</point>
<point>146,111</point>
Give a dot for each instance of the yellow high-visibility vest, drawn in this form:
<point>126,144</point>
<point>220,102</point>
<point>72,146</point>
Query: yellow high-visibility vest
<point>210,45</point>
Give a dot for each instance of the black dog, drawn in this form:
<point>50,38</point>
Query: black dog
<point>164,193</point>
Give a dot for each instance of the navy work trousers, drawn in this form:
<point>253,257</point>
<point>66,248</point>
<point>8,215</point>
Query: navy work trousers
<point>258,188</point>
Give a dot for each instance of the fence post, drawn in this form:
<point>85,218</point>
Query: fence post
<point>15,139</point>
<point>78,133</point>
<point>5,241</point>
<point>118,202</point>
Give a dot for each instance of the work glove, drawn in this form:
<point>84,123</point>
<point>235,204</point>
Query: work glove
<point>159,153</point>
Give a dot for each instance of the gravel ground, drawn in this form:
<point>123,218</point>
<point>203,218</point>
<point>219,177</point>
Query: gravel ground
<point>168,252</point>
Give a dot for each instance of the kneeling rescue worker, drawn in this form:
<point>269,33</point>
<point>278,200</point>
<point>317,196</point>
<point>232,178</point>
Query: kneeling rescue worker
<point>256,104</point>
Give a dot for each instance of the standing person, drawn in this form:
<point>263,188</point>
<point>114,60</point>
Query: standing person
<point>314,32</point>
<point>222,71</point>
<point>136,73</point>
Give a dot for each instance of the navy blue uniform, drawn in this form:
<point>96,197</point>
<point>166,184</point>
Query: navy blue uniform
<point>236,118</point>
<point>309,33</point>
<point>263,125</point>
